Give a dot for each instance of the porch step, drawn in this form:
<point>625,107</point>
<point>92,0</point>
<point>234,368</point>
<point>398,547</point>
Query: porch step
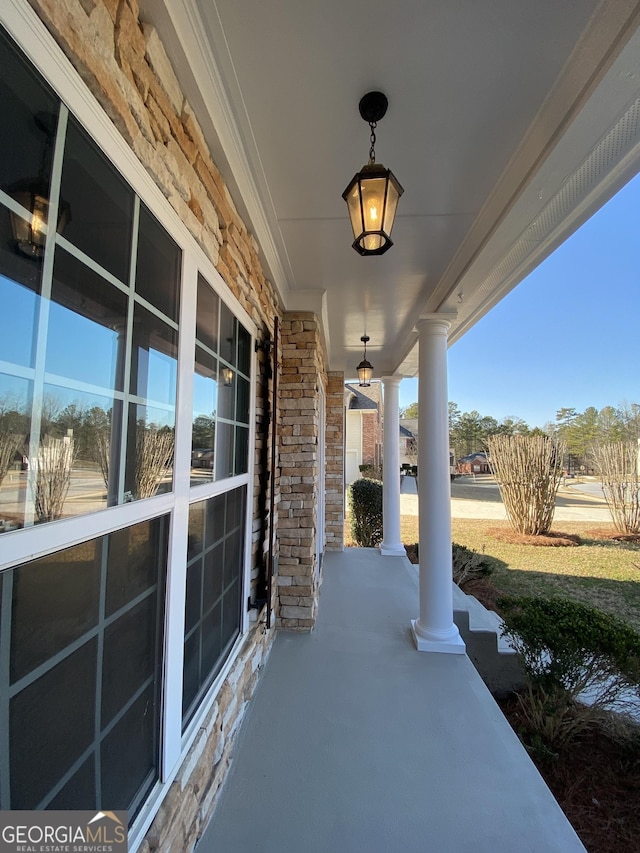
<point>481,619</point>
<point>491,654</point>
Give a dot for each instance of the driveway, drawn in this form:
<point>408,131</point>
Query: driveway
<point>479,497</point>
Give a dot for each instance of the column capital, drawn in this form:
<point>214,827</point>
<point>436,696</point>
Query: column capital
<point>394,379</point>
<point>432,321</point>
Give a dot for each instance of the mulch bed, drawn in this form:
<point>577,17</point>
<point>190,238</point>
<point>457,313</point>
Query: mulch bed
<point>610,533</point>
<point>596,781</point>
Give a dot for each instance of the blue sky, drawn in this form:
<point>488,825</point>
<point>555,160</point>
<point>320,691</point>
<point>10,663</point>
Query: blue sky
<point>566,336</point>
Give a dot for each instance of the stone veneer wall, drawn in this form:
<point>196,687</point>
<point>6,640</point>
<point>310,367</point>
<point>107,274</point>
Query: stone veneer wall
<point>301,374</point>
<point>334,462</point>
<point>123,62</point>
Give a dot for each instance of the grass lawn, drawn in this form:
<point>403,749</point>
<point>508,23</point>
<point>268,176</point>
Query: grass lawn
<point>599,572</point>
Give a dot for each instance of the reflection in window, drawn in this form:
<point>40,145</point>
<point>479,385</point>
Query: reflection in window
<point>158,266</point>
<point>214,582</point>
<point>150,446</point>
<point>82,666</point>
<point>220,444</point>
<point>15,426</point>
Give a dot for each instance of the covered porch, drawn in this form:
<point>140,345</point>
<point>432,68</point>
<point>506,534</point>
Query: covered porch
<point>354,742</point>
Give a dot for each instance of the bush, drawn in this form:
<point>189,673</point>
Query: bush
<point>365,506</point>
<point>468,564</point>
<point>570,652</point>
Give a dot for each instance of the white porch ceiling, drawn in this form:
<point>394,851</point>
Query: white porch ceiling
<point>509,123</point>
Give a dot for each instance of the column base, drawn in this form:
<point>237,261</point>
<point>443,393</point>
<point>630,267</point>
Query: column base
<point>446,642</point>
<point>391,550</point>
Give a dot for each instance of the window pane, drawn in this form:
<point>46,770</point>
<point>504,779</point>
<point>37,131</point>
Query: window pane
<point>228,335</point>
<point>25,140</point>
<point>227,393</point>
<point>134,554</point>
<point>19,288</point>
<point>214,582</point>
<point>224,451</point>
<point>242,400</point>
<point>150,443</point>
<point>241,450</point>
<point>244,350</point>
<point>100,202</point>
<point>88,317</point>
<point>50,728</point>
<point>154,358</point>
<point>59,594</point>
<point>207,315</point>
<point>15,426</point>
<point>205,394</point>
<point>158,266</point>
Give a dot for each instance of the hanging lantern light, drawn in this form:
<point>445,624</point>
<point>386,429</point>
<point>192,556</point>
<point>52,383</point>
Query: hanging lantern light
<point>365,368</point>
<point>373,193</point>
<point>227,376</point>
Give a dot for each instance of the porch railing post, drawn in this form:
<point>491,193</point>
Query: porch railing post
<point>434,630</point>
<point>392,543</point>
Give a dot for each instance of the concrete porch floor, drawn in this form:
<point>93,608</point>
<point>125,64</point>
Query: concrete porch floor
<point>357,742</point>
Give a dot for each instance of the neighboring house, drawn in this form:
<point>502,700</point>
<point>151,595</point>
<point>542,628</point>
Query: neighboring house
<point>475,463</point>
<point>408,446</point>
<point>180,308</point>
<point>363,428</point>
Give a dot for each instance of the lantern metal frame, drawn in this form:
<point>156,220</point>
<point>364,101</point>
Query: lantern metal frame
<point>375,182</point>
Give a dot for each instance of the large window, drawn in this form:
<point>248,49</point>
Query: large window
<point>89,320</point>
<point>80,668</point>
<point>214,583</point>
<point>220,434</point>
<point>90,339</point>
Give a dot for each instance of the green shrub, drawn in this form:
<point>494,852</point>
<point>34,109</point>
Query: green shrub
<point>365,506</point>
<point>570,651</point>
<point>468,564</point>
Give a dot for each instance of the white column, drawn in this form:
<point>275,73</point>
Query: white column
<point>434,630</point>
<point>391,544</point>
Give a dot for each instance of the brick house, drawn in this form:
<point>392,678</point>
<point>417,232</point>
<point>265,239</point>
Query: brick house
<point>363,428</point>
<point>180,308</point>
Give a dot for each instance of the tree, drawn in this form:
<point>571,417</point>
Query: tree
<point>528,470</point>
<point>410,411</point>
<point>618,465</point>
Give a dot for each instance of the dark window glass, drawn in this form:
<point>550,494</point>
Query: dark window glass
<point>207,315</point>
<point>26,140</point>
<point>242,400</point>
<point>60,595</point>
<point>129,656</point>
<point>241,450</point>
<point>80,790</point>
<point>51,725</point>
<point>158,266</point>
<point>224,451</point>
<point>228,335</point>
<point>129,754</point>
<point>97,683</point>
<point>133,558</point>
<point>196,529</point>
<point>100,203</point>
<point>244,350</point>
<point>87,316</point>
<point>214,581</point>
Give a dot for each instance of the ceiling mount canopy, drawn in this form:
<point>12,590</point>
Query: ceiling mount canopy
<point>373,193</point>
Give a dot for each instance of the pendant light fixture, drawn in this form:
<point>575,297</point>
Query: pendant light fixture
<point>365,368</point>
<point>373,193</point>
